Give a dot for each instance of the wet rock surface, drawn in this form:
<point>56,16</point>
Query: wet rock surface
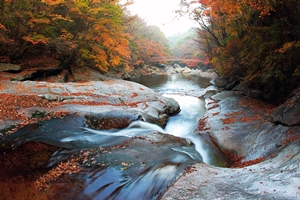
<point>81,163</point>
<point>277,178</point>
<point>265,156</point>
<point>132,164</point>
<point>109,96</point>
<point>44,115</point>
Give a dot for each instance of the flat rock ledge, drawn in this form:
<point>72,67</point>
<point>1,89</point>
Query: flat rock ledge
<point>265,155</point>
<point>111,99</point>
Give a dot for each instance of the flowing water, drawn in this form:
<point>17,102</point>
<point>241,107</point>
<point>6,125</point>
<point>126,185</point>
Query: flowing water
<point>138,162</point>
<point>192,109</point>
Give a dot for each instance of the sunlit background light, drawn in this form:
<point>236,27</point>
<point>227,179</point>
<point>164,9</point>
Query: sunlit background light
<point>162,14</point>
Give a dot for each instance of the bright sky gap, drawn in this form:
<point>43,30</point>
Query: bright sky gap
<point>162,14</point>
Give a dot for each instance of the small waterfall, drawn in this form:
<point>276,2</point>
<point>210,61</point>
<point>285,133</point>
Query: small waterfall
<point>185,123</point>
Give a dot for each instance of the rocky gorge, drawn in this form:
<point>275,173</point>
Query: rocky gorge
<point>261,141</point>
<point>264,155</point>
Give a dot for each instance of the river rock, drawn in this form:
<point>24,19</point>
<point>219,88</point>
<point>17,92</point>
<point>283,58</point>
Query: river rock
<point>170,70</point>
<point>277,178</point>
<point>83,161</point>
<point>267,154</point>
<point>176,66</point>
<point>93,98</point>
<point>186,70</point>
<point>225,82</point>
<point>240,124</point>
<point>195,72</point>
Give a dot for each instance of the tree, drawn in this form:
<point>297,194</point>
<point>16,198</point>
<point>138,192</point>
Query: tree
<point>145,41</point>
<point>187,45</point>
<point>86,33</point>
<point>96,34</point>
<point>83,33</point>
<point>254,41</point>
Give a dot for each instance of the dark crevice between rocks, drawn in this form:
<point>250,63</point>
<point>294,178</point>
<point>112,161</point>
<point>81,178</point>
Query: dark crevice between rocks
<point>14,71</point>
<point>226,154</point>
<point>27,157</point>
<point>42,74</point>
<point>276,123</point>
<point>233,159</point>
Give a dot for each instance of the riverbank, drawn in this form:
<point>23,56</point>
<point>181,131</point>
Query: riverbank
<point>53,72</point>
<point>23,101</point>
<point>265,156</point>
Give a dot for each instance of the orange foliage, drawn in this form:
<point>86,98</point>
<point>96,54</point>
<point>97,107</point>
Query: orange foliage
<point>202,124</point>
<point>231,117</point>
<point>83,33</point>
<point>134,94</point>
<point>291,137</point>
<point>217,113</point>
<point>257,104</point>
<point>69,167</point>
<point>149,49</point>
<point>240,164</point>
<point>15,106</point>
<point>257,117</point>
<point>237,160</point>
<point>80,33</point>
<point>215,8</point>
<point>11,104</point>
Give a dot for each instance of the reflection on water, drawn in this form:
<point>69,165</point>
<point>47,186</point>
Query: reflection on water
<point>174,82</point>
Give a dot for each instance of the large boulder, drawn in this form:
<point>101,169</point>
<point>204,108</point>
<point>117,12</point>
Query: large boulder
<point>86,98</point>
<point>289,112</point>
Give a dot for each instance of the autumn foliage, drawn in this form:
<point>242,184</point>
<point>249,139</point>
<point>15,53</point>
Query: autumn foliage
<point>257,42</point>
<point>88,33</point>
<point>186,46</point>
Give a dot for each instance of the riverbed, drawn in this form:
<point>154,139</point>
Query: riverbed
<point>137,162</point>
<point>184,124</point>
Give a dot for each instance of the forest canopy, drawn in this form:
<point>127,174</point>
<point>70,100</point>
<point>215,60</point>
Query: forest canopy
<point>186,45</point>
<point>254,42</point>
<point>250,41</point>
<point>84,33</point>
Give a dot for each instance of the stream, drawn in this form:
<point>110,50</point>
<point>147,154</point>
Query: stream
<point>138,162</point>
<point>192,109</point>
